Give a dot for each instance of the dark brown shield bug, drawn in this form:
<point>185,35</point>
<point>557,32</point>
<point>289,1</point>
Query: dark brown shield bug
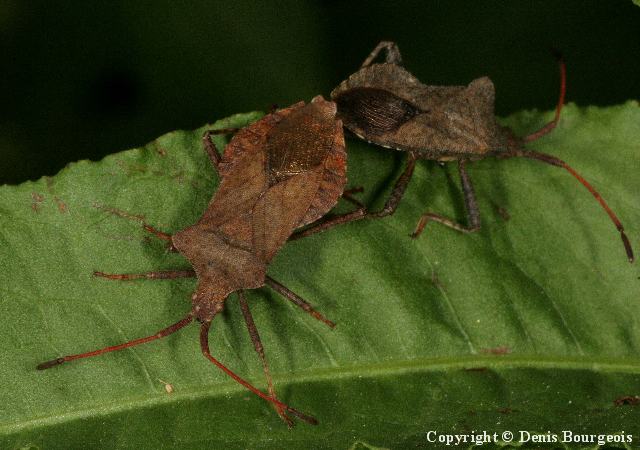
<point>386,105</point>
<point>283,172</point>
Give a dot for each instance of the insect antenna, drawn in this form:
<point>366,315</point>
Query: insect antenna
<point>160,334</point>
<point>204,344</point>
<point>563,89</point>
<point>560,163</point>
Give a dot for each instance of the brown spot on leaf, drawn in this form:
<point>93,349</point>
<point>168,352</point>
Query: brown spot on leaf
<point>631,400</point>
<point>37,199</point>
<point>62,206</point>
<point>436,281</point>
<point>168,387</point>
<point>131,169</point>
<point>502,212</point>
<point>503,350</point>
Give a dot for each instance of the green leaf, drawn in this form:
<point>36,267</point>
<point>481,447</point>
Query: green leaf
<point>546,280</point>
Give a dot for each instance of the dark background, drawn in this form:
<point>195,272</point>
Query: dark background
<point>82,79</point>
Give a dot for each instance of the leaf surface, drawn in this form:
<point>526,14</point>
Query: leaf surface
<point>545,282</point>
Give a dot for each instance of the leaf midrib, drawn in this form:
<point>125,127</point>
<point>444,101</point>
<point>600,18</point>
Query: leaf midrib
<point>488,362</point>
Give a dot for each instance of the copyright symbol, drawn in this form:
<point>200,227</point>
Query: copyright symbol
<point>507,436</point>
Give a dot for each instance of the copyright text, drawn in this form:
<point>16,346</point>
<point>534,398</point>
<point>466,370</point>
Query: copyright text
<point>566,437</point>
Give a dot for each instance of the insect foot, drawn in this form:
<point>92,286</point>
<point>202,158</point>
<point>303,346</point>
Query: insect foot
<point>281,173</point>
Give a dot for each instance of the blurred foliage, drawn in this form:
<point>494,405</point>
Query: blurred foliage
<point>82,79</point>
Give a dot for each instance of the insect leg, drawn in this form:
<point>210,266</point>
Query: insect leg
<point>398,189</point>
<point>389,208</point>
<point>160,275</point>
<point>347,195</point>
<point>392,54</point>
<point>471,206</point>
<point>160,334</point>
<point>324,225</point>
<point>563,87</point>
<point>204,345</point>
<point>296,300</point>
<point>211,148</point>
<point>257,344</point>
<point>160,235</point>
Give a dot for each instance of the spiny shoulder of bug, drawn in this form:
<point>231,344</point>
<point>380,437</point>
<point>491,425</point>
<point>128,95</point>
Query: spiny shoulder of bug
<point>221,245</point>
<point>385,104</point>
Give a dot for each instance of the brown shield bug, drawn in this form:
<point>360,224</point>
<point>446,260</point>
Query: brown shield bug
<point>280,173</point>
<point>386,105</point>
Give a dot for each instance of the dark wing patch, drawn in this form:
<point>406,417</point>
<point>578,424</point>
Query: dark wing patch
<point>374,111</point>
<point>299,143</point>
